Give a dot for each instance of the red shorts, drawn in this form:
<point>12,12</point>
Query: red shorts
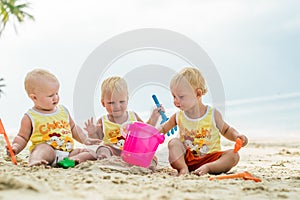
<point>194,162</point>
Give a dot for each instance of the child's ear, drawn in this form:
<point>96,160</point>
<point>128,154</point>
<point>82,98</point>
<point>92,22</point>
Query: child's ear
<point>102,102</point>
<point>198,92</point>
<point>32,97</point>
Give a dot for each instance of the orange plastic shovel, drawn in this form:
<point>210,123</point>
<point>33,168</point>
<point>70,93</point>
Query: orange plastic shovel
<point>245,175</point>
<point>238,145</point>
<point>12,155</point>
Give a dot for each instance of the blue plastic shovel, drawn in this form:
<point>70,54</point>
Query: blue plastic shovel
<point>163,115</point>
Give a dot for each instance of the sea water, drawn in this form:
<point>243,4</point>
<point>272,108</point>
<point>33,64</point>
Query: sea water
<point>274,117</point>
<point>264,119</point>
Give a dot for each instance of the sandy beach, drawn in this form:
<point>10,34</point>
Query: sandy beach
<point>275,163</point>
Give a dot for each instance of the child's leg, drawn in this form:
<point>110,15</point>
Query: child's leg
<point>228,160</point>
<point>42,154</point>
<point>176,156</point>
<point>81,155</point>
<point>104,152</point>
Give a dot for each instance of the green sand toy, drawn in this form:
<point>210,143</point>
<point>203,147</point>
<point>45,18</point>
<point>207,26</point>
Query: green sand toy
<point>66,163</point>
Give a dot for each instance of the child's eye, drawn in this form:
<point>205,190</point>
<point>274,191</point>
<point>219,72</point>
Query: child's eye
<point>110,103</point>
<point>122,101</point>
<point>52,95</point>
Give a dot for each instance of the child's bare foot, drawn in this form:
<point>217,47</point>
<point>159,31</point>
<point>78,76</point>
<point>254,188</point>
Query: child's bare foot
<point>153,164</point>
<point>102,156</point>
<point>204,169</point>
<point>38,163</point>
<point>103,152</point>
<point>183,171</point>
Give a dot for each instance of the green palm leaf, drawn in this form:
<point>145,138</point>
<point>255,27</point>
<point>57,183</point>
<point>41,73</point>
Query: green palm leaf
<point>10,9</point>
<point>1,86</point>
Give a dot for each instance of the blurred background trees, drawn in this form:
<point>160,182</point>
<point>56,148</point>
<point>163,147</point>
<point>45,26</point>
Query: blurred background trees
<point>12,11</point>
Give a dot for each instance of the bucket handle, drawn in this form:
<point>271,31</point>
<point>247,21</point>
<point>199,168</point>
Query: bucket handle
<point>123,128</point>
<point>160,137</point>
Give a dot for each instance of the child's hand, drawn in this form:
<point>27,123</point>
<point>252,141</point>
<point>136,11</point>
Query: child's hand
<point>155,115</point>
<point>244,139</point>
<point>90,127</point>
<point>155,112</point>
<point>92,141</point>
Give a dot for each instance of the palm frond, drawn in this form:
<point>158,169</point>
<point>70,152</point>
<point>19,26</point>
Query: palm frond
<point>13,9</point>
<point>1,86</point>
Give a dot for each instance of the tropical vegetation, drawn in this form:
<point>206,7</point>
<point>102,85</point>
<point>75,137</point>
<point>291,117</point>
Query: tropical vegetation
<point>11,10</point>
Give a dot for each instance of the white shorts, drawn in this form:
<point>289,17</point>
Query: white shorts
<point>59,155</point>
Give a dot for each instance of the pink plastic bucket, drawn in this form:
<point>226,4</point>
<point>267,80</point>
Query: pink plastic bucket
<point>141,143</point>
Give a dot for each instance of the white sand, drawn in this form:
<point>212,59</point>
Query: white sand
<point>277,164</point>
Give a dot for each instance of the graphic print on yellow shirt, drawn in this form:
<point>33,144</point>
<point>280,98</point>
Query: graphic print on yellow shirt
<point>112,131</point>
<point>53,129</point>
<point>200,135</point>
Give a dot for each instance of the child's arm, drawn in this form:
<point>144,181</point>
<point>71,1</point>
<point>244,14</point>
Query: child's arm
<point>228,132</point>
<point>21,140</point>
<point>94,131</point>
<point>138,117</point>
<point>153,118</point>
<point>155,115</point>
<point>167,126</point>
<point>78,134</point>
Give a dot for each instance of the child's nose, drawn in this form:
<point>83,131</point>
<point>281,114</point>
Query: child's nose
<point>176,101</point>
<point>55,97</point>
<point>117,105</point>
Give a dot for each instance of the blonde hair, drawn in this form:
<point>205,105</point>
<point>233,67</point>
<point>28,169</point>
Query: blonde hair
<point>34,79</point>
<point>113,84</point>
<point>192,76</point>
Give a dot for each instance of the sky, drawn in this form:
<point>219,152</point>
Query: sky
<point>253,44</point>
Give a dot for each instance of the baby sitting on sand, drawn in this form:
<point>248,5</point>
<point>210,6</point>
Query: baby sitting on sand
<point>114,97</point>
<point>49,125</point>
<point>198,148</point>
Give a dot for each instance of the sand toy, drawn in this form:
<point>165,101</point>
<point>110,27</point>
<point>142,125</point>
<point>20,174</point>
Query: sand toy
<point>11,152</point>
<point>163,115</point>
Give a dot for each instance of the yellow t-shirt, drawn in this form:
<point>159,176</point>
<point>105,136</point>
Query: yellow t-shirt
<point>53,129</point>
<point>112,131</point>
<point>200,135</point>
